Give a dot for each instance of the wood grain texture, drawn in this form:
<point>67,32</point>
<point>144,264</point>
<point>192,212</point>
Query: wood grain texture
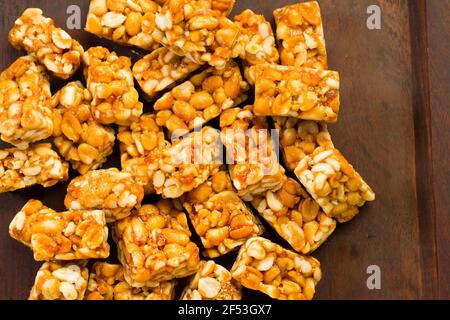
<point>438,19</point>
<point>423,153</point>
<point>380,132</point>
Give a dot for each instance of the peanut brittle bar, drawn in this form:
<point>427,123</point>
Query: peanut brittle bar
<point>38,164</point>
<point>256,43</point>
<point>107,282</point>
<point>304,93</point>
<point>60,281</point>
<point>212,282</point>
<point>110,190</point>
<point>141,147</point>
<point>300,35</point>
<point>69,235</point>
<point>25,113</point>
<point>161,69</point>
<point>198,30</point>
<point>154,245</point>
<point>110,82</point>
<point>299,138</point>
<point>251,154</point>
<point>188,163</point>
<point>202,98</point>
<point>219,216</point>
<point>281,274</point>
<point>128,22</point>
<point>333,183</point>
<point>295,216</point>
<point>256,38</point>
<point>53,46</point>
<point>79,138</point>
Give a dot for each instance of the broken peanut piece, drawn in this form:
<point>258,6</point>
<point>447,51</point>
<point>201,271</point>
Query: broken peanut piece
<point>299,138</point>
<point>160,70</point>
<point>53,46</point>
<point>333,183</point>
<point>212,282</point>
<point>141,147</point>
<point>60,281</point>
<point>38,164</point>
<point>303,93</point>
<point>25,109</point>
<point>198,30</point>
<point>300,35</point>
<point>107,282</point>
<point>202,98</point>
<point>79,138</point>
<point>128,22</point>
<point>110,190</point>
<point>154,245</point>
<point>69,235</point>
<point>219,216</point>
<point>281,274</point>
<point>295,216</point>
<point>251,153</point>
<point>110,82</point>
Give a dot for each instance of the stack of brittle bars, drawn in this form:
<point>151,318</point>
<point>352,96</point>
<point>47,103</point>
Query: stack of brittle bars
<point>199,66</point>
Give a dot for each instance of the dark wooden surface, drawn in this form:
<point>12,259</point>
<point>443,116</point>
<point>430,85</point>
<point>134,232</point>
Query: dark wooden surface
<point>439,71</point>
<point>394,128</point>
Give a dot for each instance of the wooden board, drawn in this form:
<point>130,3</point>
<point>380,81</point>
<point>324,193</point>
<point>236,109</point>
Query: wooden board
<point>394,128</point>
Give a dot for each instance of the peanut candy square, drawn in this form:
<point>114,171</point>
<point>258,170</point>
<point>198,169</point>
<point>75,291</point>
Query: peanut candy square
<point>333,183</point>
<point>300,35</point>
<point>212,282</point>
<point>160,70</point>
<point>53,46</point>
<point>107,282</point>
<point>79,138</point>
<point>141,147</point>
<point>110,190</point>
<point>38,164</point>
<point>198,30</point>
<point>110,82</point>
<point>154,245</point>
<point>281,274</point>
<point>299,138</point>
<point>256,43</point>
<point>256,39</point>
<point>304,93</point>
<point>60,281</point>
<point>219,216</point>
<point>188,163</point>
<point>202,98</point>
<point>251,153</point>
<point>128,22</point>
<point>69,235</point>
<point>25,113</point>
<point>295,216</point>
